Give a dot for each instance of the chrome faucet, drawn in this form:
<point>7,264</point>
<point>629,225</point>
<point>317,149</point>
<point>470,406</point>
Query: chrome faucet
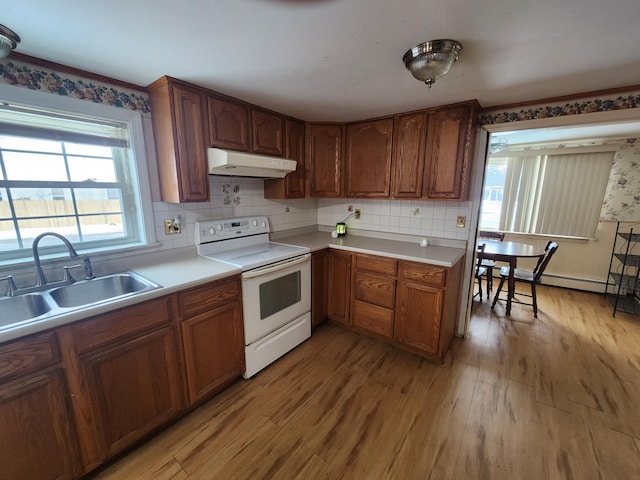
<point>40,278</point>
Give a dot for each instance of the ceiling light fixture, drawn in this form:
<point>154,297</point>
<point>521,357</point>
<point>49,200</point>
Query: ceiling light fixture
<point>431,60</point>
<point>8,41</point>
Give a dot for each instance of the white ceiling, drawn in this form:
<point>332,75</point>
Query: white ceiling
<point>341,60</point>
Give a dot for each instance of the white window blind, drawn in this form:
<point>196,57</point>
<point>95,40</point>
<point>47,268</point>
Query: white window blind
<point>559,194</point>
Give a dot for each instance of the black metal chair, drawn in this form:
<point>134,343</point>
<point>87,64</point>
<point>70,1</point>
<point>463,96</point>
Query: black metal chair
<point>480,271</point>
<point>532,277</point>
<point>489,265</point>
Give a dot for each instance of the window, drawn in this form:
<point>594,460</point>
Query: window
<point>70,172</point>
<point>551,192</point>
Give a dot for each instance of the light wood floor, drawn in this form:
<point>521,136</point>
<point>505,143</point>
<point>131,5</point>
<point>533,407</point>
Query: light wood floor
<point>556,397</point>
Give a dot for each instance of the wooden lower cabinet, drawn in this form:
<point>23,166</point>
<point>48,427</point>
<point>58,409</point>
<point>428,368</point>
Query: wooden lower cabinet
<point>409,304</point>
<point>374,291</point>
<point>338,285</point>
<point>418,316</point>
<point>74,397</point>
<point>427,307</point>
<point>319,280</point>
<point>37,432</point>
<point>213,339</point>
<point>37,439</point>
<point>123,374</point>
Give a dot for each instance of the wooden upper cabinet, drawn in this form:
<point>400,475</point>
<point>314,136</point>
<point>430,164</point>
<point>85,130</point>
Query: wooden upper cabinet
<point>228,124</point>
<point>368,158</point>
<point>324,159</point>
<point>293,185</point>
<point>268,133</point>
<point>409,139</point>
<point>449,144</point>
<point>179,120</point>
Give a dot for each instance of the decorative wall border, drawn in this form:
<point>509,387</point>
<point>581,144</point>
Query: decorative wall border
<point>36,78</point>
<point>621,102</point>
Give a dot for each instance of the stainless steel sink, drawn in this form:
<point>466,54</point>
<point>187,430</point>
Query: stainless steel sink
<point>23,307</point>
<point>100,289</point>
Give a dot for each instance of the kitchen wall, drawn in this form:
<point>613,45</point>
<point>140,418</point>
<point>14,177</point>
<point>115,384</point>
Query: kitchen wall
<point>232,197</point>
<point>243,196</point>
<point>423,218</point>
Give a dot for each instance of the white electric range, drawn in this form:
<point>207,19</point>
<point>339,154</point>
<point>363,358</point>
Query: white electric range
<point>276,285</point>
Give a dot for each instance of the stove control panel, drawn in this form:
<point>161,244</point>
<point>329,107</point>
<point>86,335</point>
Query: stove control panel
<point>227,228</point>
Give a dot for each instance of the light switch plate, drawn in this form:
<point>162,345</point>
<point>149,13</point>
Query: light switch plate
<point>461,221</point>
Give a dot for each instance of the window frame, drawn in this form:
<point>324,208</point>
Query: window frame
<point>140,182</point>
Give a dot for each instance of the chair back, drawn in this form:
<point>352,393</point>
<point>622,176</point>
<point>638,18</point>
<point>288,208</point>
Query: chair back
<point>479,252</point>
<point>492,235</point>
<point>543,261</point>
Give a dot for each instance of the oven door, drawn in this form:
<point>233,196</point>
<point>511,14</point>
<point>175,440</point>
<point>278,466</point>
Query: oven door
<point>275,295</point>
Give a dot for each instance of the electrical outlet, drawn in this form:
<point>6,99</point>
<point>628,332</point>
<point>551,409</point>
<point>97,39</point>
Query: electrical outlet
<point>461,221</point>
<point>171,227</point>
<point>357,214</point>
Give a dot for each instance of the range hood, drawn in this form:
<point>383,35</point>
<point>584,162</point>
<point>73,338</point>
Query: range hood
<point>239,164</point>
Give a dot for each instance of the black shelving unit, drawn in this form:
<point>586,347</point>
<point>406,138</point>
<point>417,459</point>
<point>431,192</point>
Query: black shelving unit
<point>623,282</point>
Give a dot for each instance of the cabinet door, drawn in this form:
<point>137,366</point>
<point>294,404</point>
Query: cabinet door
<point>324,160</point>
<point>228,124</point>
<point>368,158</point>
<point>293,185</point>
<point>418,316</point>
<point>447,157</point>
<point>194,179</point>
<point>213,349</point>
<point>179,131</point>
<point>37,440</point>
<point>268,133</point>
<point>338,286</point>
<point>133,387</point>
<point>319,285</point>
<point>409,138</point>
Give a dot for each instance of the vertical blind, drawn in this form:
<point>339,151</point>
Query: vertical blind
<point>555,194</point>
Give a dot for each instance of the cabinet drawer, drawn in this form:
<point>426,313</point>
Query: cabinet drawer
<point>121,323</point>
<point>382,265</point>
<point>373,318</point>
<point>28,354</point>
<point>421,273</point>
<point>375,289</point>
<point>209,296</point>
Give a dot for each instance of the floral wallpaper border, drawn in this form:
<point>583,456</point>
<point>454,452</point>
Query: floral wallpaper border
<point>621,102</point>
<point>36,78</point>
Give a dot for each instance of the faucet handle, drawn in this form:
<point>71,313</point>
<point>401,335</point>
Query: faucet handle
<point>88,270</point>
<point>11,286</point>
<point>67,274</point>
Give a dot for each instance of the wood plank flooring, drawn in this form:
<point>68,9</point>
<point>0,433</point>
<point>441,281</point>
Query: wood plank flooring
<point>555,397</point>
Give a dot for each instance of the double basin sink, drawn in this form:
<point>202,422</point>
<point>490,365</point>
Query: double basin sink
<point>67,298</point>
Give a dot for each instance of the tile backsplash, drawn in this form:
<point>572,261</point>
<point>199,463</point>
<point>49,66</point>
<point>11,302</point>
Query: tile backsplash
<point>241,196</point>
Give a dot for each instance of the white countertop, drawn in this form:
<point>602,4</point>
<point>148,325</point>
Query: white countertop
<point>173,275</point>
<point>412,251</point>
<point>176,271</point>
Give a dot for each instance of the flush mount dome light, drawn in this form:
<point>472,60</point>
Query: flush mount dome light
<point>431,60</point>
<point>8,41</point>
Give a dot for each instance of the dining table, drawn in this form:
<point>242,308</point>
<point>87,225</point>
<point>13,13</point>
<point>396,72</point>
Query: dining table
<point>508,252</point>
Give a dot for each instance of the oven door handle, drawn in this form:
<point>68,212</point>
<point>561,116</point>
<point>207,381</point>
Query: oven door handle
<point>274,268</point>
